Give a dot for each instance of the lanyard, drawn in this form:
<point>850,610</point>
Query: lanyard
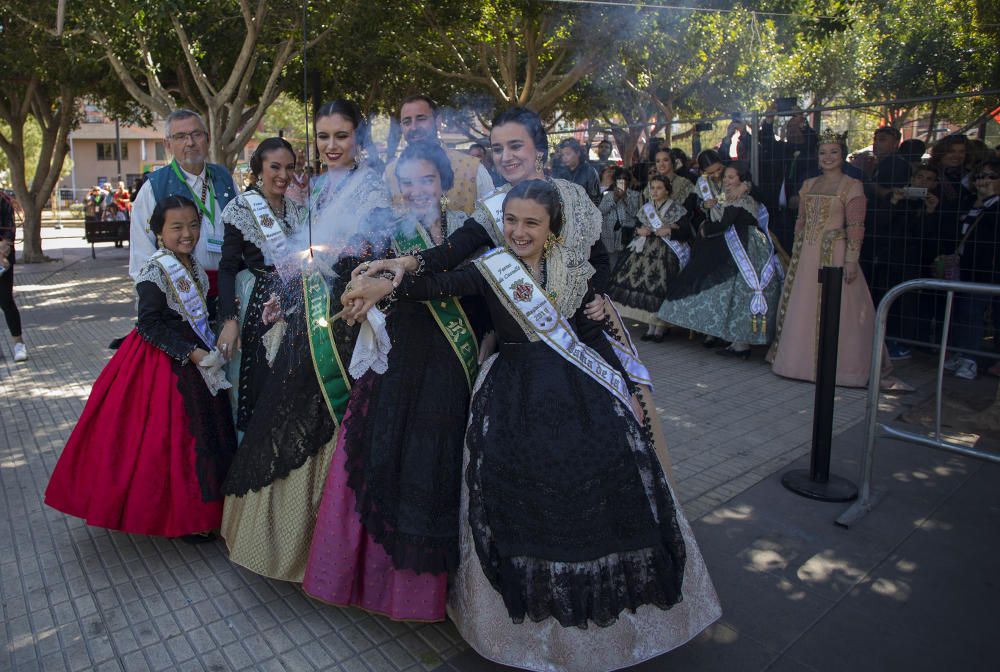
<point>209,210</point>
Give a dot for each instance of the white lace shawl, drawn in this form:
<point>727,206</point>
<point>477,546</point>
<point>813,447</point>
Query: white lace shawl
<point>340,209</point>
<point>154,273</point>
<point>567,266</point>
<point>239,215</point>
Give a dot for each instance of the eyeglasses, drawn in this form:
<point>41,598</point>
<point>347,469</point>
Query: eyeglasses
<point>197,136</point>
<point>986,176</point>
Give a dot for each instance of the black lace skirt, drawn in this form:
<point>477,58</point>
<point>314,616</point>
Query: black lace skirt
<point>570,513</point>
<point>404,452</point>
<point>210,422</point>
<point>290,421</point>
<point>254,369</point>
<point>640,279</point>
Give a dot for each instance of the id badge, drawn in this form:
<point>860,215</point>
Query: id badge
<point>212,242</point>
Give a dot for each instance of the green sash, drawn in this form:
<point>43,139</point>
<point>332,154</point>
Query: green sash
<point>447,313</point>
<point>330,370</point>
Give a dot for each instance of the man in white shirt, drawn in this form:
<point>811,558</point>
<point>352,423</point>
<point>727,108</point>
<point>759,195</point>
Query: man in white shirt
<point>189,174</point>
<point>418,115</point>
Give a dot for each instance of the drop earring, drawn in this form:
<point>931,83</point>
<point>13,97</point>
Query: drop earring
<point>539,163</point>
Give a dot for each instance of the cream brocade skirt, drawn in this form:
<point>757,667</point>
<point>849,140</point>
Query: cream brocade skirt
<point>269,531</point>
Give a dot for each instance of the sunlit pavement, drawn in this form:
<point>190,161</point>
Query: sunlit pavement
<point>913,586</point>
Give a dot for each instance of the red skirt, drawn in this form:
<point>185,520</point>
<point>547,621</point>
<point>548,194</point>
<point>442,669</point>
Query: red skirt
<point>130,463</point>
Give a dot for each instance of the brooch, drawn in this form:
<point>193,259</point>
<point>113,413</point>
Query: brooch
<point>522,291</point>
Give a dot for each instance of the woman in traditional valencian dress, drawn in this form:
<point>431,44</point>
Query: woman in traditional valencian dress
<point>152,447</point>
<point>574,552</point>
<point>386,537</point>
<point>829,232</point>
<point>682,190</point>
<point>520,149</point>
<point>257,225</point>
<point>276,480</point>
<point>653,259</point>
<point>731,287</point>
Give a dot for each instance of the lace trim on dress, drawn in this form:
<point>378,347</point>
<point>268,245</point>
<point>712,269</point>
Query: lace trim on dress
<point>567,265</point>
<point>154,273</point>
<point>239,215</point>
<point>575,593</point>
<point>671,211</point>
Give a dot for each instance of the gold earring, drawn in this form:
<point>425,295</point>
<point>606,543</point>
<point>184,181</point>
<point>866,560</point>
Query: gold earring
<point>551,241</point>
<point>444,201</point>
<point>539,163</point>
<point>159,241</point>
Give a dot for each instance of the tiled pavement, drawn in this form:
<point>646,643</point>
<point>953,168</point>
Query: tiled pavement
<point>75,597</point>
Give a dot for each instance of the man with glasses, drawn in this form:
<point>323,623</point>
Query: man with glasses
<point>189,174</point>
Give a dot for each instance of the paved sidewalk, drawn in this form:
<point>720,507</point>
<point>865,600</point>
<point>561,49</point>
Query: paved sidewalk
<point>75,597</point>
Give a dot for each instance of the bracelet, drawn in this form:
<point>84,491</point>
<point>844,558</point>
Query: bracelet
<point>421,264</point>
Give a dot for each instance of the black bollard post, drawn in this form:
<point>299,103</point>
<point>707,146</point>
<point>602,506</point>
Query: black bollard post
<point>816,482</point>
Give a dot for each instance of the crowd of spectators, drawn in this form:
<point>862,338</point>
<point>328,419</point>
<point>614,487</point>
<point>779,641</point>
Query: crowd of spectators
<point>932,211</point>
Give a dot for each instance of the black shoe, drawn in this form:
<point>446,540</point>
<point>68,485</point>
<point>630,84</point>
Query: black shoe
<point>115,344</point>
<point>710,342</point>
<point>729,352</point>
<point>646,337</point>
<point>200,538</point>
<point>658,338</point>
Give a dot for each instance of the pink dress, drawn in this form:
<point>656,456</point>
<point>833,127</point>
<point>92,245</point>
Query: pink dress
<point>829,229</point>
<point>346,567</point>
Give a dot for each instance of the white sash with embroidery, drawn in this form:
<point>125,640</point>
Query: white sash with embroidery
<point>510,279</point>
<point>493,206</point>
<point>682,250</point>
<point>274,235</point>
<point>187,291</point>
<point>626,352</point>
<point>756,283</point>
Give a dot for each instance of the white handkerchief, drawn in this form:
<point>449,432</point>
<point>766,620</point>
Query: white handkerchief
<point>210,368</point>
<point>372,348</point>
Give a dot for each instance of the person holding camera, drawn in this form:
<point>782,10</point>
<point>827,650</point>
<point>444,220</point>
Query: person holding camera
<point>619,205</point>
<point>916,231</point>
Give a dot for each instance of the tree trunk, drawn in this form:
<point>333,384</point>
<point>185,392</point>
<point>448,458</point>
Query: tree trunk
<point>31,232</point>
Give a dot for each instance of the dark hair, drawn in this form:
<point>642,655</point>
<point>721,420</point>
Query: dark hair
<point>992,162</point>
<point>912,149</point>
<point>888,130</point>
<point>925,168</point>
<point>743,170</point>
<point>267,146</point>
<point>708,158</point>
<point>531,122</point>
<point>350,111</point>
<point>431,152</point>
<point>344,108</point>
<point>575,145</point>
<point>545,194</point>
<point>941,147</point>
<point>415,98</point>
<point>159,216</point>
<point>662,180</point>
<point>605,141</point>
<point>622,173</point>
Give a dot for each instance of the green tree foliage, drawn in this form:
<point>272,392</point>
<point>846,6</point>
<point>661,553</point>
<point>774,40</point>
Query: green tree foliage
<point>45,75</point>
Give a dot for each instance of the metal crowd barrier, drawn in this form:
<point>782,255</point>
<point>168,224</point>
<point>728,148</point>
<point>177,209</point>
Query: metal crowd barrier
<point>868,498</point>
